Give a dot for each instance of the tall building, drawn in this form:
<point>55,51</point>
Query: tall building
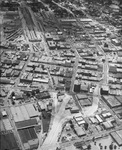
<point>77,86</point>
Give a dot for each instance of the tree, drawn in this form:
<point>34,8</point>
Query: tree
<point>13,103</point>
<point>33,92</point>
<point>111,147</point>
<point>28,94</point>
<point>12,94</point>
<point>115,146</point>
<point>89,147</point>
<point>37,91</point>
<point>86,126</point>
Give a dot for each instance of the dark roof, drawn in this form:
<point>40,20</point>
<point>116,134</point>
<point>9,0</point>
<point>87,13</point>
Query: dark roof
<point>27,134</point>
<point>26,123</point>
<point>8,141</point>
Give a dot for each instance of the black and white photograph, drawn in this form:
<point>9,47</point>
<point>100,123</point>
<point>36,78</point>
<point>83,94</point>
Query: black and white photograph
<point>60,74</point>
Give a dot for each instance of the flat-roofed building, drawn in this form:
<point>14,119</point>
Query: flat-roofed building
<point>117,138</point>
<point>15,117</point>
<point>111,101</point>
<point>26,123</point>
<point>7,124</point>
<point>19,113</point>
<point>31,110</point>
<point>2,128</point>
<point>24,112</point>
<point>79,131</point>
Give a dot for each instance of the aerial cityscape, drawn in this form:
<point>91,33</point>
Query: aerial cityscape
<point>61,75</point>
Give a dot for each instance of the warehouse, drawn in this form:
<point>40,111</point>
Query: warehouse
<point>24,112</point>
<point>26,123</point>
<point>117,138</point>
<point>7,124</point>
<point>31,110</point>
<point>8,141</point>
<point>29,135</point>
<point>15,116</point>
<point>79,131</point>
<point>111,101</point>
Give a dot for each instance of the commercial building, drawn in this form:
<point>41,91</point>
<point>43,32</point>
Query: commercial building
<point>7,124</point>
<point>8,141</point>
<point>79,131</point>
<point>104,90</point>
<point>117,138</point>
<point>26,124</point>
<point>77,86</point>
<point>31,110</point>
<point>29,138</point>
<point>111,101</point>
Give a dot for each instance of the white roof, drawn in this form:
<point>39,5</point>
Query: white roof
<point>31,110</point>
<point>13,111</point>
<point>86,19</point>
<point>4,113</point>
<point>24,112</point>
<point>79,119</point>
<point>114,6</point>
<point>7,124</point>
<point>19,114</point>
<point>77,115</point>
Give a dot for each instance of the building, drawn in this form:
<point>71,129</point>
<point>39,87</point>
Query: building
<point>77,86</point>
<point>117,138</point>
<point>8,141</point>
<point>104,90</point>
<point>79,131</point>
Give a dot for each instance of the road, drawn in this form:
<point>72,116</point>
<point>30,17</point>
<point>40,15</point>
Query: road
<point>55,101</point>
<point>89,111</point>
<point>106,71</point>
<point>59,117</point>
<point>77,57</point>
<point>15,129</point>
<point>90,137</point>
<point>56,128</point>
<point>68,10</point>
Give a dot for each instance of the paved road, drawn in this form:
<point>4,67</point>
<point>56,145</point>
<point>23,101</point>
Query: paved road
<point>68,10</point>
<point>89,111</point>
<point>106,71</point>
<point>56,128</point>
<point>74,70</point>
